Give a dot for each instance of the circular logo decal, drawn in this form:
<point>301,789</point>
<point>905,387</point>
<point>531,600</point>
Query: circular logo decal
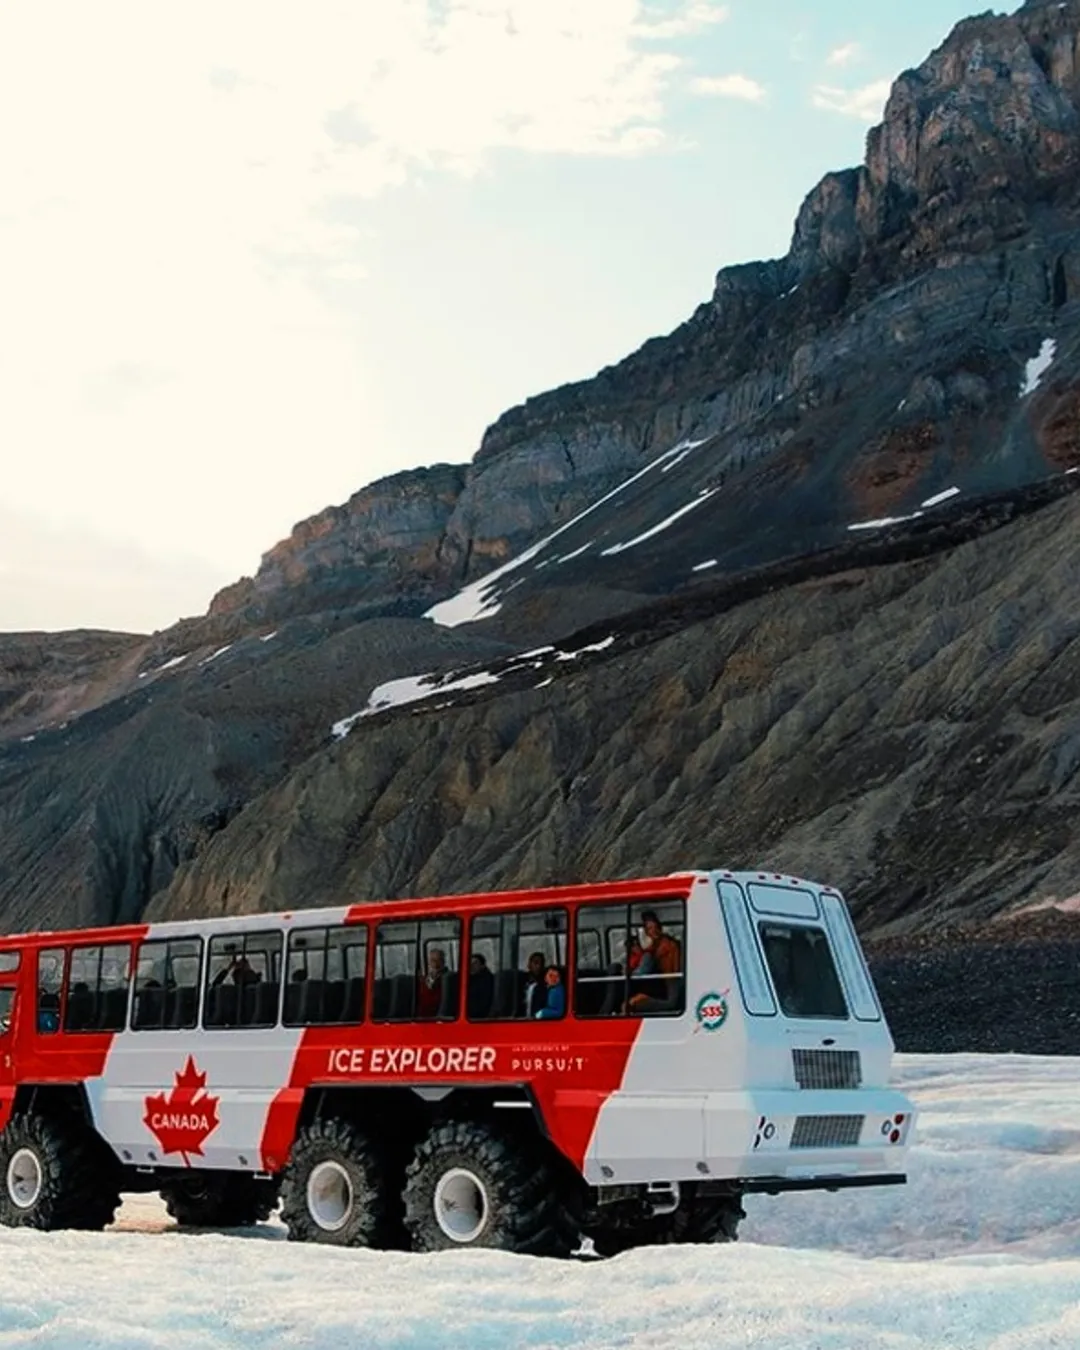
<point>712,1011</point>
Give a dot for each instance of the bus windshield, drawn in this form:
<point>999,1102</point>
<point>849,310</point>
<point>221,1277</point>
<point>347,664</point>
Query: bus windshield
<point>802,969</point>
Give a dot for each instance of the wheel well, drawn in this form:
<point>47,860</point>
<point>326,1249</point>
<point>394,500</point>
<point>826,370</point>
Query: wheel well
<point>401,1116</point>
<point>54,1101</point>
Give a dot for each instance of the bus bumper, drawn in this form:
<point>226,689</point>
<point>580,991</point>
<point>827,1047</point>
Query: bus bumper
<point>795,1135</point>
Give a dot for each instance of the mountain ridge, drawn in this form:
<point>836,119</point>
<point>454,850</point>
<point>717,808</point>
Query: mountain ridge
<point>890,411</point>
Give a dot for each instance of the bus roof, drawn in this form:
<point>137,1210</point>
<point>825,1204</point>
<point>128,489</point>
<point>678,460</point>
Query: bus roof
<point>677,885</point>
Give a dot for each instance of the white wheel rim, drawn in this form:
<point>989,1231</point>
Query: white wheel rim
<point>24,1178</point>
<point>461,1205</point>
<point>330,1196</point>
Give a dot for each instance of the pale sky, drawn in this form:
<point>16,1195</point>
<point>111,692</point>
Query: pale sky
<point>255,254</point>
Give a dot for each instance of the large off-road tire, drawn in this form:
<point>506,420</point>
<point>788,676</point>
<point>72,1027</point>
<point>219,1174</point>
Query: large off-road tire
<point>471,1185</point>
<point>340,1187</point>
<point>704,1220</point>
<point>219,1200</point>
<point>55,1174</point>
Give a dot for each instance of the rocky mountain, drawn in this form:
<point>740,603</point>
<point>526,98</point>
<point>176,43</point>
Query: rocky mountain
<point>883,360</point>
<point>794,584</point>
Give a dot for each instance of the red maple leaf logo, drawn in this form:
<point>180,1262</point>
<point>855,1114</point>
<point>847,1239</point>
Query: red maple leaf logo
<point>182,1120</point>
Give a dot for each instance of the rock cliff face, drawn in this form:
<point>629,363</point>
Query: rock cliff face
<point>882,356</point>
<point>387,541</point>
<point>910,729</point>
<point>804,569</point>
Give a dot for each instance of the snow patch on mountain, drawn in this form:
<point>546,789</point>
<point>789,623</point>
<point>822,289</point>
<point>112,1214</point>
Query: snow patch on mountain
<point>1037,367</point>
<point>478,600</point>
<point>658,529</point>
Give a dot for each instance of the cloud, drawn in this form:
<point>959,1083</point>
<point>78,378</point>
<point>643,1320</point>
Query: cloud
<point>844,55</point>
<point>179,196</point>
<point>729,86</point>
<point>866,103</point>
<point>694,18</point>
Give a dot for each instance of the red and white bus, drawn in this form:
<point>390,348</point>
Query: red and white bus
<point>621,1061</point>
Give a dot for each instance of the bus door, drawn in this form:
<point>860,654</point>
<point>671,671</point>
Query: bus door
<point>9,1002</point>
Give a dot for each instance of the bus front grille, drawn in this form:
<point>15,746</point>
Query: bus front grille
<point>827,1068</point>
<point>826,1131</point>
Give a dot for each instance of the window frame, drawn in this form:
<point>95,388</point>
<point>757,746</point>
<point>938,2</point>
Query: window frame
<point>820,929</point>
<point>420,945</point>
<point>359,931</point>
<point>606,930</point>
<point>167,943</point>
<point>71,952</point>
<point>242,937</point>
<point>565,933</point>
<point>60,993</point>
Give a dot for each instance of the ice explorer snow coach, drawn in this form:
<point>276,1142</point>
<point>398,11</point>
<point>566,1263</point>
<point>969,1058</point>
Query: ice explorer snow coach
<point>622,1061</point>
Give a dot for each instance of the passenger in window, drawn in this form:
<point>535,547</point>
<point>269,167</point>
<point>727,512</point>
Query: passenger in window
<point>664,952</point>
<point>640,961</point>
<point>556,995</point>
<point>240,969</point>
<point>481,987</point>
<point>48,1012</point>
<point>429,997</point>
<point>535,995</point>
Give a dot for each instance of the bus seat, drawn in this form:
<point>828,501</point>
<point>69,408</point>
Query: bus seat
<point>182,1006</point>
<point>149,1005</point>
<point>448,1004</point>
<point>507,1001</point>
<point>311,999</point>
<point>402,997</point>
<point>265,1012</point>
<point>293,994</point>
<point>112,1009</point>
<point>333,1000</point>
<point>354,1000</point>
<point>80,1009</point>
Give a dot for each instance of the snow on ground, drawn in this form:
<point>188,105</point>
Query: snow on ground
<point>214,655</point>
<point>658,529</point>
<point>410,689</point>
<point>167,665</point>
<point>477,600</point>
<point>569,557</point>
<point>981,1249</point>
<point>414,688</point>
<point>1037,367</point>
<point>885,520</point>
<point>681,451</point>
<point>940,497</point>
<point>600,646</point>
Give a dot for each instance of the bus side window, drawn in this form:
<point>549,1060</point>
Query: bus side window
<point>510,957</point>
<point>7,1009</point>
<point>327,968</point>
<point>417,970</point>
<point>630,960</point>
<point>243,980</point>
<point>167,985</point>
<point>97,996</point>
<point>599,973</point>
<point>657,958</point>
<point>50,982</point>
